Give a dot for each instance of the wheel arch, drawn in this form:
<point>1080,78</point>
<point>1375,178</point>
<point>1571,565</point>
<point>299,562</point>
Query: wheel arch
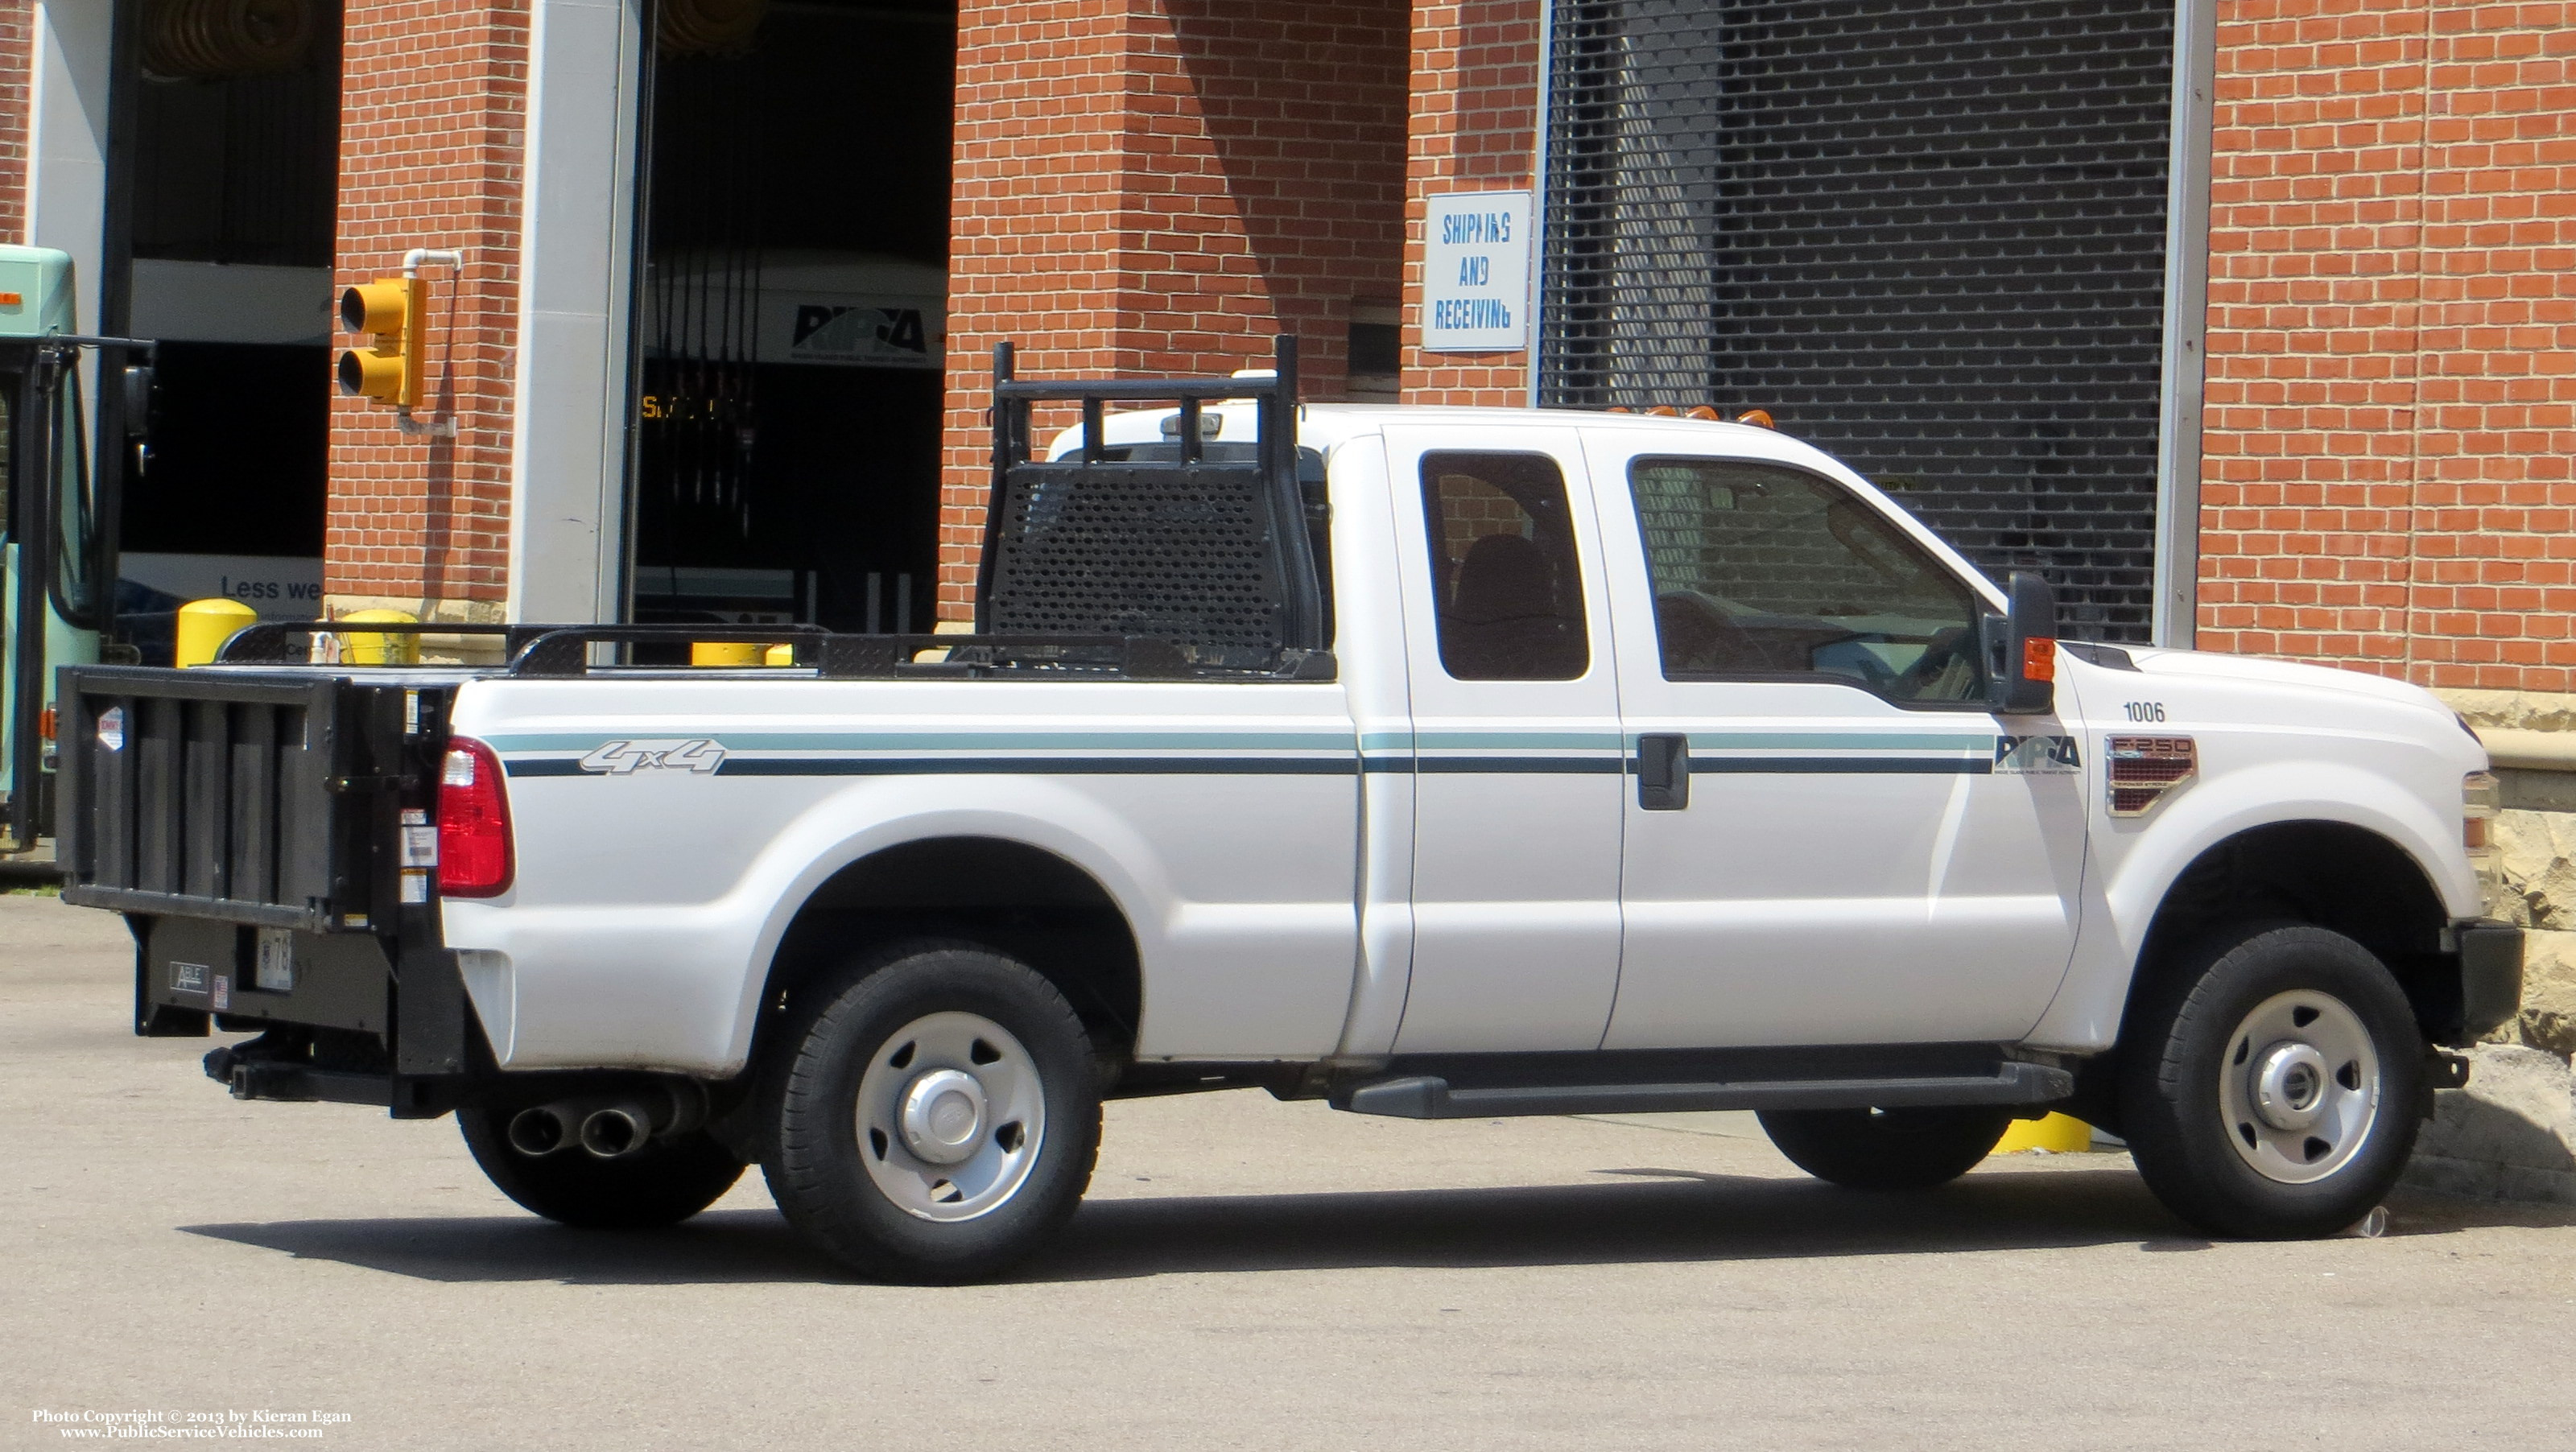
<point>1018,898</point>
<point>2334,875</point>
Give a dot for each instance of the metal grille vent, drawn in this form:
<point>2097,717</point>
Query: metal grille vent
<point>1927,237</point>
<point>1175,552</point>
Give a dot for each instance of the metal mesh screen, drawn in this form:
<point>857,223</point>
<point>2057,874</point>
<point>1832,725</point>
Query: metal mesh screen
<point>1174,552</point>
<point>1928,237</point>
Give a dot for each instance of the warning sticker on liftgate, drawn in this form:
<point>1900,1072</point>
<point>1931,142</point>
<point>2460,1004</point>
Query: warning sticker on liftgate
<point>2035,756</point>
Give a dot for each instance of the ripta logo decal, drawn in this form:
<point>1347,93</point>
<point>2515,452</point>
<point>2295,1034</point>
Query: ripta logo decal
<point>625,758</point>
<point>2036,756</point>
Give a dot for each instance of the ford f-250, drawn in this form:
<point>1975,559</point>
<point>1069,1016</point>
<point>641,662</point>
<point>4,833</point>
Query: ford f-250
<point>1431,762</point>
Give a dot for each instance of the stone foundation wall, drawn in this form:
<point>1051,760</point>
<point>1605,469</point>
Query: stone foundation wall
<point>2511,1134</point>
<point>2538,836</point>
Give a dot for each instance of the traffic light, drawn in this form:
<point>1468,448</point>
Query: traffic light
<point>393,310</point>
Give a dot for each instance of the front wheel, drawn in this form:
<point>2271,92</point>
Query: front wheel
<point>2268,1091</point>
<point>939,1117</point>
<point>1886,1149</point>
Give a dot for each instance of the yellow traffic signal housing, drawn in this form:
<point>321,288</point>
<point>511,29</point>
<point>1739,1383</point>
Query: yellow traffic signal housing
<point>388,370</point>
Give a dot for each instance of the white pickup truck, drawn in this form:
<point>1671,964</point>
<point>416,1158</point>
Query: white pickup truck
<point>1436,763</point>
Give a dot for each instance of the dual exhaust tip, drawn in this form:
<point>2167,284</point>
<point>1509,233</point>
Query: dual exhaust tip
<point>606,1126</point>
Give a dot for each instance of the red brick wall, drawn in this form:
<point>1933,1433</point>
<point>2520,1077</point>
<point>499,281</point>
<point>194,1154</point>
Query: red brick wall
<point>17,39</point>
<point>1473,128</point>
<point>1148,187</point>
<point>433,108</point>
<point>2392,345</point>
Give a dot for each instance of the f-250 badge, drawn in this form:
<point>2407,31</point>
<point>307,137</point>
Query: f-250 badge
<point>2035,755</point>
<point>624,758</point>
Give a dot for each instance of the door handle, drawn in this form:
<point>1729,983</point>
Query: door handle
<point>1663,773</point>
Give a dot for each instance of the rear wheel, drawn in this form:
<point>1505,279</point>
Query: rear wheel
<point>2268,1090</point>
<point>665,1182</point>
<point>1886,1149</point>
<point>940,1116</point>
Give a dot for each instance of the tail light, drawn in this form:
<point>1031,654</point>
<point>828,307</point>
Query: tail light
<point>473,822</point>
<point>2481,801</point>
<point>2144,768</point>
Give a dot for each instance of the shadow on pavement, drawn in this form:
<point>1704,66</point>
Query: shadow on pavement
<point>1650,1215</point>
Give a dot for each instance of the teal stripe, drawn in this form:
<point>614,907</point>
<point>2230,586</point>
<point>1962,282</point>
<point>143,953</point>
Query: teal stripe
<point>1516,741</point>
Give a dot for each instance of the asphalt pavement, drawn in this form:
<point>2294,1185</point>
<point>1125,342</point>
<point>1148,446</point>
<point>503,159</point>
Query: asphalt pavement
<point>1247,1274</point>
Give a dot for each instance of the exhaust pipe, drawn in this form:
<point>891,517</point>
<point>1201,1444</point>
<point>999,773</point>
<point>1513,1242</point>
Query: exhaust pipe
<point>542,1130</point>
<point>610,1126</point>
<point>619,1129</point>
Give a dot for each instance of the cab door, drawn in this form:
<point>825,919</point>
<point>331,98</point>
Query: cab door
<point>1514,746</point>
<point>1830,838</point>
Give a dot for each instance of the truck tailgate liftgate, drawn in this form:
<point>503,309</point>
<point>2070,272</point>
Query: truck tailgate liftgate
<point>269,836</point>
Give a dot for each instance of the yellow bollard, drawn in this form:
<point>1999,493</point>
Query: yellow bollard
<point>368,648</point>
<point>204,626</point>
<point>2059,1134</point>
<point>724,652</point>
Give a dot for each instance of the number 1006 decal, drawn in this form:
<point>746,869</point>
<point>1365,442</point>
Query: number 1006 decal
<point>2144,710</point>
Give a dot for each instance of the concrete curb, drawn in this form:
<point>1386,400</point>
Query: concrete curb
<point>2510,1135</point>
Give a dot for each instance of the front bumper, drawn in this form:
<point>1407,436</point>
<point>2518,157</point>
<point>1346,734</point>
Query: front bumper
<point>2490,960</point>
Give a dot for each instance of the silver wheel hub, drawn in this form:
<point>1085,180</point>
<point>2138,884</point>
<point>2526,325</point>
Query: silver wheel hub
<point>943,1116</point>
<point>950,1116</point>
<point>2299,1087</point>
<point>2290,1086</point>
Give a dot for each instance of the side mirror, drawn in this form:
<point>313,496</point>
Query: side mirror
<point>138,400</point>
<point>2021,649</point>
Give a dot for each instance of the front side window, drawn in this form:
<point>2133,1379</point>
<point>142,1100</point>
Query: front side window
<point>1507,595</point>
<point>1767,571</point>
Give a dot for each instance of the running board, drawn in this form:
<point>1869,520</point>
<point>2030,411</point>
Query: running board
<point>1423,1096</point>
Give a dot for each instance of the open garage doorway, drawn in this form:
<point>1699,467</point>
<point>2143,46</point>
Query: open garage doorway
<point>232,176</point>
<point>790,317</point>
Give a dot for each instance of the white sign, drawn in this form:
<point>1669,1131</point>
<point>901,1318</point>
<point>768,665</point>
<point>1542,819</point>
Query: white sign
<point>1475,273</point>
<point>278,587</point>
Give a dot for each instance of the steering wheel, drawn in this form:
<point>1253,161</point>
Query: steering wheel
<point>1698,635</point>
<point>1941,652</point>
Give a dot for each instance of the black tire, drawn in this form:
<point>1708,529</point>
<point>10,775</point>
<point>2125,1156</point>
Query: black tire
<point>665,1182</point>
<point>858,1190</point>
<point>2191,1063</point>
<point>1886,1149</point>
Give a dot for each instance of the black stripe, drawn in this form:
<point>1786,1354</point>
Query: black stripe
<point>556,767</point>
<point>1577,765</point>
<point>1842,765</point>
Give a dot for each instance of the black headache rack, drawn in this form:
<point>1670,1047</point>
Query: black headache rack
<point>1114,562</point>
<point>1213,556</point>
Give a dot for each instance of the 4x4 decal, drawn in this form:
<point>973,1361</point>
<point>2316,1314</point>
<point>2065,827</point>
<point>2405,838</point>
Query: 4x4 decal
<point>623,758</point>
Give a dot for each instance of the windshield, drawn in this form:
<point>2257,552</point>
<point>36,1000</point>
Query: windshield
<point>66,459</point>
<point>8,451</point>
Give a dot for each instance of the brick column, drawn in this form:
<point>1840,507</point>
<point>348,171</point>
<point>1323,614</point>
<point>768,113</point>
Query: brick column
<point>1474,127</point>
<point>17,42</point>
<point>1157,188</point>
<point>433,108</point>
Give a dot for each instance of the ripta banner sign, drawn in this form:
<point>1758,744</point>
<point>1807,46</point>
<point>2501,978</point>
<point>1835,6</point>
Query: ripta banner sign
<point>1475,273</point>
<point>2036,756</point>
